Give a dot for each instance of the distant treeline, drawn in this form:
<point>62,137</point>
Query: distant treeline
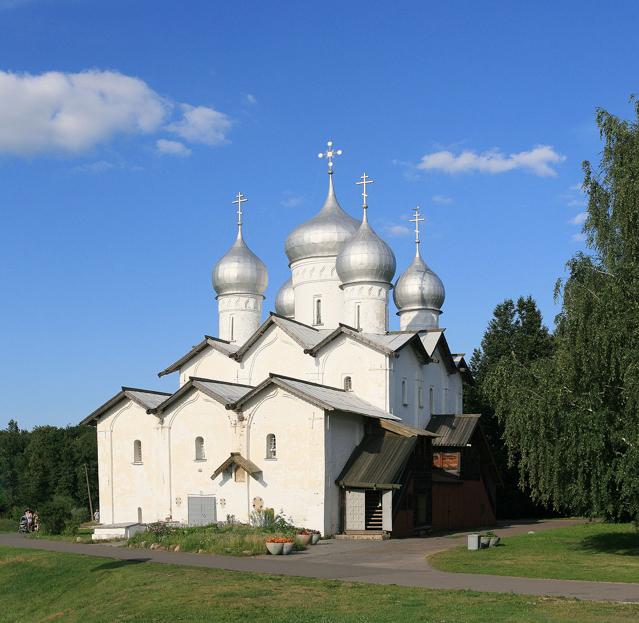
<point>44,468</point>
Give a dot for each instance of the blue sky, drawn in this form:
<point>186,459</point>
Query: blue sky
<point>127,127</point>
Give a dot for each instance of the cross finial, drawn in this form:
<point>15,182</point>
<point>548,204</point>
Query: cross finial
<point>365,179</point>
<point>417,220</point>
<point>329,154</point>
<point>239,199</point>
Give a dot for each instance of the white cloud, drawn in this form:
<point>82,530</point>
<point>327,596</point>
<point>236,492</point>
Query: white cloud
<point>397,231</point>
<point>250,99</point>
<point>578,237</point>
<point>579,219</point>
<point>75,112</point>
<point>172,148</point>
<point>200,124</point>
<point>442,199</point>
<point>538,161</point>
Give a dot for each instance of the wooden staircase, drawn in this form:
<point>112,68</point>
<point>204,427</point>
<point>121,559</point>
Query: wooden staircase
<point>373,514</point>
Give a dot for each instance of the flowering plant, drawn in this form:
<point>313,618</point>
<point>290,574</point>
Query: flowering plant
<point>279,539</point>
<point>305,532</point>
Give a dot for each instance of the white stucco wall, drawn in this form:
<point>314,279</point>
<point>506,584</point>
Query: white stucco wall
<point>210,364</point>
<point>124,485</point>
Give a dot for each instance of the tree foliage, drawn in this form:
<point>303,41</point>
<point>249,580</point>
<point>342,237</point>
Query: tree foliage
<point>571,419</point>
<point>516,330</point>
<point>45,468</point>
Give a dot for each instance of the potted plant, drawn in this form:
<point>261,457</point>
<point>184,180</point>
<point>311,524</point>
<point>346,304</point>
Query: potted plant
<point>287,546</point>
<point>304,537</point>
<point>315,537</point>
<point>275,545</point>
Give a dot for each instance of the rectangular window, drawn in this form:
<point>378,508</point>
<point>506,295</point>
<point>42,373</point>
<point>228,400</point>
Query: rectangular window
<point>420,396</point>
<point>358,317</point>
<point>404,392</point>
<point>317,310</point>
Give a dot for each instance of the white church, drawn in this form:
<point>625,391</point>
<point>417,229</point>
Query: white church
<point>318,412</point>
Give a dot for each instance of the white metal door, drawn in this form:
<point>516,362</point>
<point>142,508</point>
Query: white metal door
<point>202,510</point>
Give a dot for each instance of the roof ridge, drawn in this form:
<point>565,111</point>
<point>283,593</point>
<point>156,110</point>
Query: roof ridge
<point>145,391</point>
<point>292,378</point>
<point>201,378</point>
<point>308,326</point>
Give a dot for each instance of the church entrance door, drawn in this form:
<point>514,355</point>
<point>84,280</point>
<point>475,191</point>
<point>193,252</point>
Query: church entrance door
<point>202,510</point>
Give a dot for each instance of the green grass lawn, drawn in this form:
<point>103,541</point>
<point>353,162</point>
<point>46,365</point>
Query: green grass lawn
<point>598,551</point>
<point>46,586</point>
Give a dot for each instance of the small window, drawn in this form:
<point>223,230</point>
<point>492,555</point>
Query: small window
<point>404,392</point>
<point>137,451</point>
<point>139,514</point>
<point>199,449</point>
<point>358,319</point>
<point>348,383</point>
<point>431,400</point>
<point>420,397</point>
<point>231,328</point>
<point>317,312</point>
<point>271,446</point>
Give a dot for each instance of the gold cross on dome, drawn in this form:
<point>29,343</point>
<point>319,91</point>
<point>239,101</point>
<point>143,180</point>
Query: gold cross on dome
<point>239,199</point>
<point>365,180</point>
<point>329,154</point>
<point>417,220</point>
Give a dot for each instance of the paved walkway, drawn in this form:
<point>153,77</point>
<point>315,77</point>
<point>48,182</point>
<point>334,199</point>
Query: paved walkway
<point>401,561</point>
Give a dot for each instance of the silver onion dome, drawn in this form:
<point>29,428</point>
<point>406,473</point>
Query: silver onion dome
<point>419,288</point>
<point>365,258</point>
<point>240,271</point>
<point>285,300</point>
<point>325,234</point>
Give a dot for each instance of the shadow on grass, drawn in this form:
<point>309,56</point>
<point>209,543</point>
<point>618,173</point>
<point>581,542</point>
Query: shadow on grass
<point>620,544</point>
<point>118,564</point>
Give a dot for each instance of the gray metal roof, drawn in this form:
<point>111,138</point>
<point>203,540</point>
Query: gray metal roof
<point>228,392</point>
<point>225,393</point>
<point>226,348</point>
<point>378,462</point>
<point>453,430</point>
<point>430,339</point>
<point>323,396</point>
<point>236,459</point>
<point>146,398</point>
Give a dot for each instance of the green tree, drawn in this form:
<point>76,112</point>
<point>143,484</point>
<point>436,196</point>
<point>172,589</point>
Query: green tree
<point>571,419</point>
<point>515,331</point>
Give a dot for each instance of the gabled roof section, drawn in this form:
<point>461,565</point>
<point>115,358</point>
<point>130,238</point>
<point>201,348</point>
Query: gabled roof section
<point>453,430</point>
<point>433,339</point>
<point>462,367</point>
<point>146,398</point>
<point>389,343</point>
<point>225,393</point>
<point>378,462</point>
<point>226,348</point>
<point>405,431</point>
<point>322,396</point>
<point>236,459</point>
<point>305,335</point>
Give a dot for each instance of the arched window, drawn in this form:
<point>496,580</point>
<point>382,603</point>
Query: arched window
<point>348,383</point>
<point>358,320</point>
<point>420,397</point>
<point>199,449</point>
<point>139,514</point>
<point>231,328</point>
<point>271,446</point>
<point>137,451</point>
<point>404,392</point>
<point>318,311</point>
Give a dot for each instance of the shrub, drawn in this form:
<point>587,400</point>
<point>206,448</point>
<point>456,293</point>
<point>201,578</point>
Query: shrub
<point>56,514</point>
